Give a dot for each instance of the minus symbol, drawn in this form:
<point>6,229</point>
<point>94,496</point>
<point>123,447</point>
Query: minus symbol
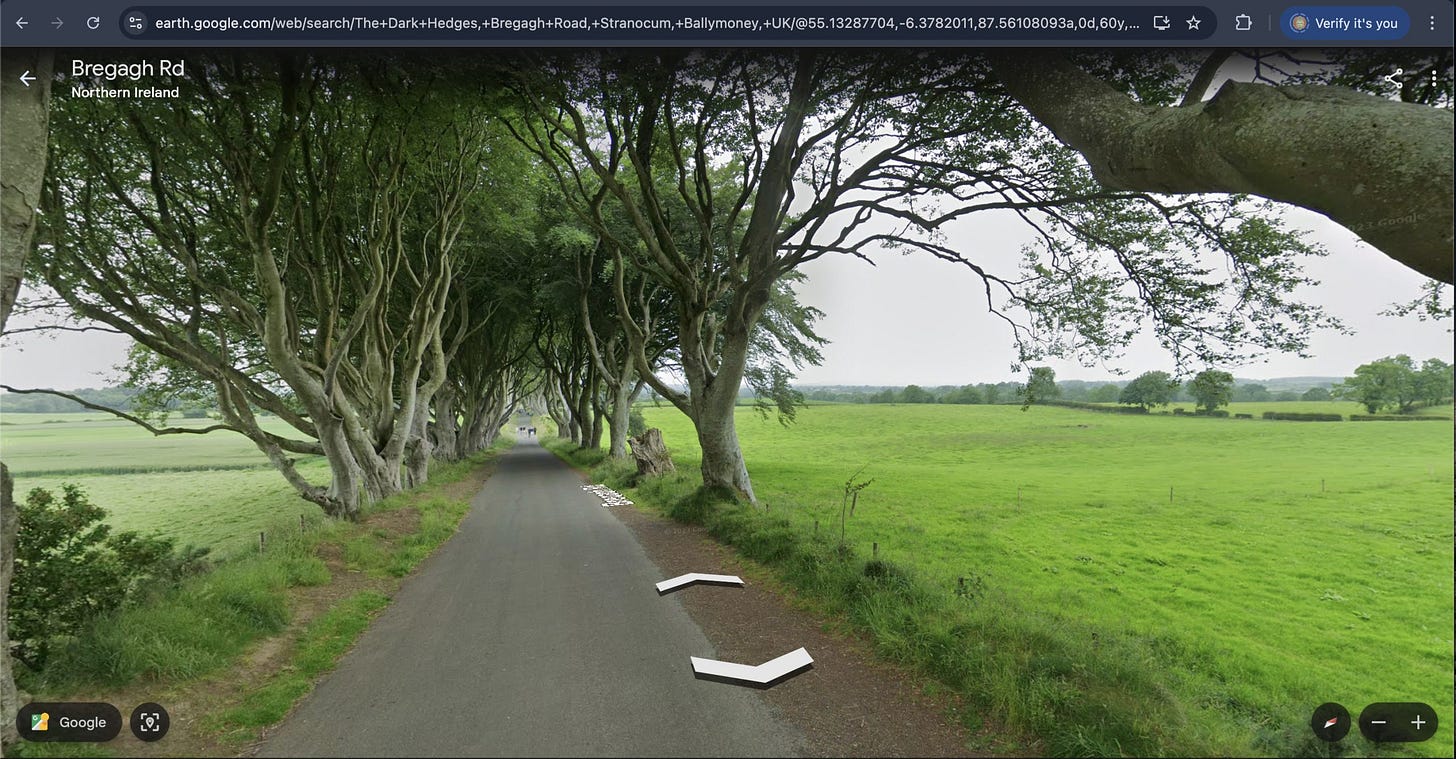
<point>1377,721</point>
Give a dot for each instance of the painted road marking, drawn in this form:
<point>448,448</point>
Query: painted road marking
<point>765,675</point>
<point>693,578</point>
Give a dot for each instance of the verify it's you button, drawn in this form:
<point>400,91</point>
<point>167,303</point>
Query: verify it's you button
<point>39,721</point>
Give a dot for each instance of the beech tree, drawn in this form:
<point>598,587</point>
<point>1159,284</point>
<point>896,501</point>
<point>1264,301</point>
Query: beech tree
<point>287,234</point>
<point>24,116</point>
<point>1335,140</point>
<point>775,159</point>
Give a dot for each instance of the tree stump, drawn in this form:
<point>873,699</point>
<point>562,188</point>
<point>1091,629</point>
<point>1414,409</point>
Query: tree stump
<point>651,454</point>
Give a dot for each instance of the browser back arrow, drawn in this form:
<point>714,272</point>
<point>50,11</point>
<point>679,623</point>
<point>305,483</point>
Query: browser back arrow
<point>26,78</point>
<point>20,23</point>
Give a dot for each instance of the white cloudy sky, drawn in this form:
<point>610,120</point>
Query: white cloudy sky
<point>912,319</point>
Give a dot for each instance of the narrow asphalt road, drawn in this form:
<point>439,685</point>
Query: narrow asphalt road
<point>534,631</point>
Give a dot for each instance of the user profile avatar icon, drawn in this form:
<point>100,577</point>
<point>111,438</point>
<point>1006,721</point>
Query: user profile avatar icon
<point>1299,22</point>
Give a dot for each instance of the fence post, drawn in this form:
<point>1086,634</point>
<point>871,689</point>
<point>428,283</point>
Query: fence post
<point>262,542</point>
<point>876,551</point>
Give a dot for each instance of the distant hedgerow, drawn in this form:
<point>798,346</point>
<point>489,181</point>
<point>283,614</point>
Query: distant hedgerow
<point>1397,418</point>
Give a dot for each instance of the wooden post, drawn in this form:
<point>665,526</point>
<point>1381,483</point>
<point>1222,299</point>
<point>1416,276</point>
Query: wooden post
<point>876,551</point>
<point>1018,496</point>
<point>816,527</point>
<point>1322,484</point>
<point>262,542</point>
<point>1170,494</point>
<point>302,525</point>
<point>961,586</point>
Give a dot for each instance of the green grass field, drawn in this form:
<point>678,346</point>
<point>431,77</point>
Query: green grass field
<point>40,444</point>
<point>212,490</point>
<point>1296,563</point>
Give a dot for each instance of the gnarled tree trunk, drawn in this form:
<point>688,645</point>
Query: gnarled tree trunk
<point>651,454</point>
<point>24,113</point>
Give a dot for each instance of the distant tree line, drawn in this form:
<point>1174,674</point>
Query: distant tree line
<point>112,397</point>
<point>1394,383</point>
<point>119,398</point>
<point>1397,384</point>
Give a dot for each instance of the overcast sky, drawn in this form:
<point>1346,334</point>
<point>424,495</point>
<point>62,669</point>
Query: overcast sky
<point>911,319</point>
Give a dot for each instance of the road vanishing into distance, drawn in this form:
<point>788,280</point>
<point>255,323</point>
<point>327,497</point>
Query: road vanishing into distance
<point>534,631</point>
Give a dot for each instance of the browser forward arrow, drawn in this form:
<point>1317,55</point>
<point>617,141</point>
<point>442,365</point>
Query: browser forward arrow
<point>693,578</point>
<point>765,675</point>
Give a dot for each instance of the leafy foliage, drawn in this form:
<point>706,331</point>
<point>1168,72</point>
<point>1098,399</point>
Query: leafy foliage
<point>1299,416</point>
<point>1211,389</point>
<point>1316,394</point>
<point>1149,389</point>
<point>70,568</point>
<point>1394,382</point>
<point>1041,386</point>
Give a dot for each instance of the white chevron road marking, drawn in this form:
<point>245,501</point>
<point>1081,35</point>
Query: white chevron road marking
<point>763,674</point>
<point>692,578</point>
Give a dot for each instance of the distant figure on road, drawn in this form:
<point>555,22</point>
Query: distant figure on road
<point>531,431</point>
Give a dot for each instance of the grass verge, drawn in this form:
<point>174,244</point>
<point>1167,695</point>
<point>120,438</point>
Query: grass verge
<point>318,647</point>
<point>307,597</point>
<point>1071,687</point>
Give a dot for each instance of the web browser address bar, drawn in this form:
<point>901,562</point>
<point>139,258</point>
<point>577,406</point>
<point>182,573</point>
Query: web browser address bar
<point>707,24</point>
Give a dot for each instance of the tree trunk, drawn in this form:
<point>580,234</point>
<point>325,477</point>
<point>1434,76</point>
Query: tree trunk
<point>9,696</point>
<point>24,115</point>
<point>417,452</point>
<point>447,427</point>
<point>723,465</point>
<point>1381,168</point>
<point>621,419</point>
<point>346,488</point>
<point>651,454</point>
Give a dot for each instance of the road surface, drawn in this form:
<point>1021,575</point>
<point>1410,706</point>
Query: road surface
<point>534,631</point>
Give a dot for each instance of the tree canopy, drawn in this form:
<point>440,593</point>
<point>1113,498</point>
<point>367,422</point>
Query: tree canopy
<point>1149,389</point>
<point>1211,388</point>
<point>1396,383</point>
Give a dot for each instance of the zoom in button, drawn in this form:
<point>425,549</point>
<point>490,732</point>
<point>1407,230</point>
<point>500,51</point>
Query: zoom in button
<point>1402,722</point>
